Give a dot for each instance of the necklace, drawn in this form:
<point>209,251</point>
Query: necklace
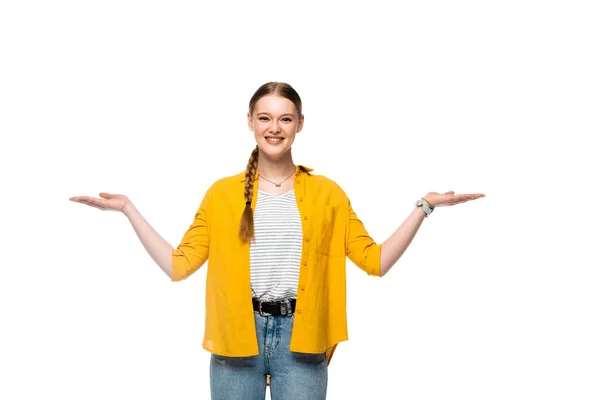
<point>277,184</point>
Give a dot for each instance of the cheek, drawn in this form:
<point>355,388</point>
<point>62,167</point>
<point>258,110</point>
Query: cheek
<point>260,126</point>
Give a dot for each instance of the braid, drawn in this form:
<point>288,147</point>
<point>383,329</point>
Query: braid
<point>246,232</point>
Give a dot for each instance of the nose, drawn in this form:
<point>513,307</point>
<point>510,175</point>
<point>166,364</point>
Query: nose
<point>274,127</point>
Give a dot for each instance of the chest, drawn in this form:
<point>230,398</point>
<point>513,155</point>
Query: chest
<point>268,187</point>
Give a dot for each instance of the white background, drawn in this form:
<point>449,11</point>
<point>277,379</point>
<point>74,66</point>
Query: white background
<point>495,299</point>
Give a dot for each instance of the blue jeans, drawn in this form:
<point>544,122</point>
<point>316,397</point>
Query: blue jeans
<point>294,376</point>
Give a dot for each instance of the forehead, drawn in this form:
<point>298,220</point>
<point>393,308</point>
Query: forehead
<point>274,105</point>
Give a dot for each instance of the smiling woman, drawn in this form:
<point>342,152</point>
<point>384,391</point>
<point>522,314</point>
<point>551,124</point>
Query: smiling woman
<point>278,237</point>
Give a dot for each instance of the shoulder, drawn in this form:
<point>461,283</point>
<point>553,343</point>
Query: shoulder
<point>323,181</point>
<point>327,187</point>
<point>226,184</point>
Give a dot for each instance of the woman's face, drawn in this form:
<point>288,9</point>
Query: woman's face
<point>275,117</point>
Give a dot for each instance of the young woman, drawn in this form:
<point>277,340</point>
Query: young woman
<point>277,237</point>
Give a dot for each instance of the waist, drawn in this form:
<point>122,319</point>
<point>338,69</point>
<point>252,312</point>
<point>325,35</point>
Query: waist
<point>277,307</point>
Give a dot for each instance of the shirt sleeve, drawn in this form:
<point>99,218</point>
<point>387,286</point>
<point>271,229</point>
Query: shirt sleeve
<point>360,247</point>
<point>192,251</point>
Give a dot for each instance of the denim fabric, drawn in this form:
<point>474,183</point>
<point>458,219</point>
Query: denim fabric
<point>294,376</point>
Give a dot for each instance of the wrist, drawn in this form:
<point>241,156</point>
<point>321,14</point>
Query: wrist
<point>128,209</point>
<point>422,204</point>
<point>427,202</point>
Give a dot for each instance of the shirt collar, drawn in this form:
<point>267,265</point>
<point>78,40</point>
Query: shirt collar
<point>299,168</point>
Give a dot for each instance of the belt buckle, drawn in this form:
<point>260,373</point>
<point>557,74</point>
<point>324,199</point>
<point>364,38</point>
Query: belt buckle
<point>260,311</point>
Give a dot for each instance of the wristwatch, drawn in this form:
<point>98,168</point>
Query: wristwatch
<point>428,210</point>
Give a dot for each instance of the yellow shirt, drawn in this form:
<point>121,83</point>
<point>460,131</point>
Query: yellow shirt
<point>331,232</point>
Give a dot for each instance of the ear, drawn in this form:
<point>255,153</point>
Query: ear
<point>300,123</point>
<point>250,122</point>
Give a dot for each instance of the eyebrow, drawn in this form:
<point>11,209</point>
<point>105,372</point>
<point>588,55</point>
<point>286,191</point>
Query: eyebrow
<point>283,115</point>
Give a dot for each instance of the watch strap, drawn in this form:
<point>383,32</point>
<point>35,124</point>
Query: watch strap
<point>428,210</point>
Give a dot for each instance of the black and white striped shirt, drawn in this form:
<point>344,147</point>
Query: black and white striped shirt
<point>276,253</point>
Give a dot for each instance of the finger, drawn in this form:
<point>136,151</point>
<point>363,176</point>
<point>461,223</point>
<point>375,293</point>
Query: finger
<point>476,196</point>
<point>88,201</point>
<point>85,198</point>
<point>94,202</point>
<point>77,199</point>
<point>465,197</point>
<point>93,205</point>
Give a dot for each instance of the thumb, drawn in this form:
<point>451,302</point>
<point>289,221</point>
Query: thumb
<point>105,195</point>
<point>450,192</point>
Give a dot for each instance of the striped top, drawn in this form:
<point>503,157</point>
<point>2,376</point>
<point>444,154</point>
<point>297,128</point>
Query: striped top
<point>276,253</point>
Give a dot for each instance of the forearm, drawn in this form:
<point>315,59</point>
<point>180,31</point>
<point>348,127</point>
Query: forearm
<point>158,248</point>
<point>393,248</point>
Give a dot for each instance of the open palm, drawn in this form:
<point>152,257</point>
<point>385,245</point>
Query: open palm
<point>108,201</point>
<point>449,198</point>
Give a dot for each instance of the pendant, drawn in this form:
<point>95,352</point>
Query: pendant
<point>278,185</point>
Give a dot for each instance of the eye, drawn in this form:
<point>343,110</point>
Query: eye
<point>287,119</point>
<point>262,118</point>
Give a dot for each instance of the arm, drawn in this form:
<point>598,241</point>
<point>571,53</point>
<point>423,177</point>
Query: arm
<point>177,263</point>
<point>155,245</point>
<point>360,246</point>
<point>192,251</point>
<point>393,248</point>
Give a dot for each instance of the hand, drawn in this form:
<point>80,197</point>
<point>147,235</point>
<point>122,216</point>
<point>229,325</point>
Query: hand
<point>111,202</point>
<point>449,198</point>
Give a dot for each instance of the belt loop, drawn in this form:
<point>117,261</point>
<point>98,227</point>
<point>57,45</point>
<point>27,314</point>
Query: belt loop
<point>284,307</point>
<point>288,304</point>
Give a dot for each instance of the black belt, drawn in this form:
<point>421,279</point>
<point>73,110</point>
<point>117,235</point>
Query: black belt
<point>273,307</point>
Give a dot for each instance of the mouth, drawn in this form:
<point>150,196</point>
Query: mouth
<point>274,140</point>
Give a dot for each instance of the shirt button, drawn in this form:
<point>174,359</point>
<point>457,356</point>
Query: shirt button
<point>300,199</point>
<point>299,311</point>
<point>305,217</point>
<point>302,288</point>
<point>297,180</point>
<point>304,263</point>
<point>307,239</point>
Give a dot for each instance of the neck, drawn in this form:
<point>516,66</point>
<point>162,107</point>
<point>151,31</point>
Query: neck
<point>275,169</point>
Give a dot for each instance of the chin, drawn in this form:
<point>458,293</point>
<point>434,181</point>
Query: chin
<point>274,153</point>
